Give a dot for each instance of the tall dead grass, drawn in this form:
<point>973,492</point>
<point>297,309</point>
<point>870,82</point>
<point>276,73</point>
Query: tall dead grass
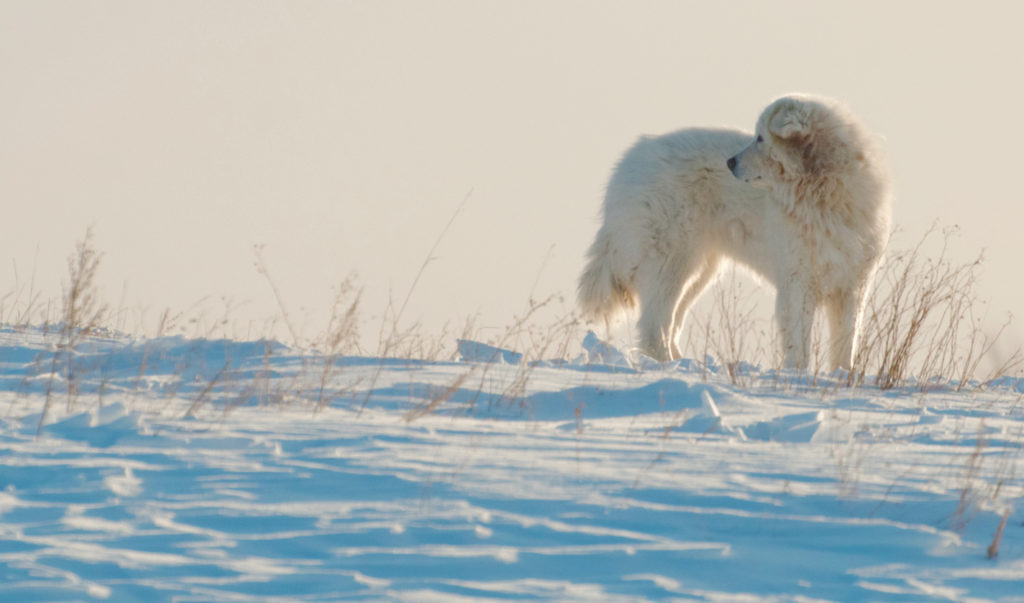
<point>924,324</point>
<point>82,314</point>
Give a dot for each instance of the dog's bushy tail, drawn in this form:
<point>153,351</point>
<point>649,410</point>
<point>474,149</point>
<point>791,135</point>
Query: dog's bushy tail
<point>603,294</point>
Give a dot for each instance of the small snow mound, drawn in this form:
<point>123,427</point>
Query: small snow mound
<point>602,352</point>
<point>474,351</point>
<point>800,427</point>
<point>709,420</point>
<point>100,427</point>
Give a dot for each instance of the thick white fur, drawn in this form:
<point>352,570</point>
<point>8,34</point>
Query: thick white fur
<point>804,203</point>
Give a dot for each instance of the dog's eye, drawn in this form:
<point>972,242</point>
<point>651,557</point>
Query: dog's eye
<point>760,138</point>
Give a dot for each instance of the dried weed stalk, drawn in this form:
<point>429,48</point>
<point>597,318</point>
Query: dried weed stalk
<point>342,335</point>
<point>922,322</point>
<point>82,314</point>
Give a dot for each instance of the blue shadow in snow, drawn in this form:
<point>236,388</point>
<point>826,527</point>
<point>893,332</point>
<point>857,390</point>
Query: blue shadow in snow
<point>664,396</point>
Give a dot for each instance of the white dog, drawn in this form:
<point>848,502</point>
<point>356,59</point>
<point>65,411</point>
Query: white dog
<point>804,203</point>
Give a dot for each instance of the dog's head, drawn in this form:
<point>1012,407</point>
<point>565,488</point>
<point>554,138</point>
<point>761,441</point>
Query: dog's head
<point>796,137</point>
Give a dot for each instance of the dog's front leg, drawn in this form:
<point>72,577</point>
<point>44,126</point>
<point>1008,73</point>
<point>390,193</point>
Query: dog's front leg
<point>794,313</point>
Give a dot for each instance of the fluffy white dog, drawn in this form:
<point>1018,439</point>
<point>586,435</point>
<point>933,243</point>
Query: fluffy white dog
<point>803,202</point>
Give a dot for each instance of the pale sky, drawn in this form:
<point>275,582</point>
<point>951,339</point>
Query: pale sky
<point>343,135</point>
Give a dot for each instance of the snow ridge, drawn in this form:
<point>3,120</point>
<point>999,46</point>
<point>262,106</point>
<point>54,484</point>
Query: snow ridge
<point>174,469</point>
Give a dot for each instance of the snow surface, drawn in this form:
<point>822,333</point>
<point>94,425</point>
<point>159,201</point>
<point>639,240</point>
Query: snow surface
<point>200,470</point>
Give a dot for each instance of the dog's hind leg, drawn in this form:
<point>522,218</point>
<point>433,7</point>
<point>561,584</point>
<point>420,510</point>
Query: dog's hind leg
<point>706,272</point>
<point>660,289</point>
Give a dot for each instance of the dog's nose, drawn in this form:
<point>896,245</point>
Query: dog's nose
<point>731,163</point>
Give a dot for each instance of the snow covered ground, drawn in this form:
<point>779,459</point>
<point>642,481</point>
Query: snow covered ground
<point>201,470</point>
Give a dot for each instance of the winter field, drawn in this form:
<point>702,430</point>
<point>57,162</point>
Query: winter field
<point>544,463</point>
<point>212,470</point>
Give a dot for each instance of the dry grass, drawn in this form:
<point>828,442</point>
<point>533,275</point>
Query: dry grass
<point>21,306</point>
<point>286,317</point>
<point>922,324</point>
<point>997,539</point>
<point>922,327</point>
<point>341,336</point>
<point>82,314</point>
<point>538,342</point>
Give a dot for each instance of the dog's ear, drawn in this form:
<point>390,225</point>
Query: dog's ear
<point>790,122</point>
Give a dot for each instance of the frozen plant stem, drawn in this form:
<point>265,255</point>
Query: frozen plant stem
<point>82,313</point>
<point>385,344</point>
<point>415,281</point>
<point>261,267</point>
<point>993,549</point>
